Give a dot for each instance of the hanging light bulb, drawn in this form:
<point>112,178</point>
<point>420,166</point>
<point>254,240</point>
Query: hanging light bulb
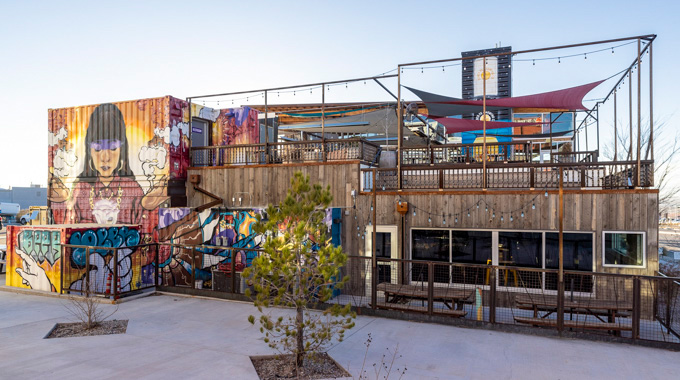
<point>511,218</point>
<point>218,102</point>
<point>371,207</point>
<point>429,219</point>
<point>486,208</point>
<point>421,70</point>
<point>293,93</point>
<point>310,90</point>
<point>468,214</point>
<point>559,59</point>
<point>358,234</point>
<point>612,50</point>
<point>443,69</point>
<point>533,206</point>
<point>533,61</point>
<point>522,214</point>
<point>363,237</point>
<point>345,84</point>
<point>501,218</point>
<point>509,65</point>
<point>477,205</point>
<point>383,187</point>
<point>493,215</point>
<point>364,82</point>
<point>357,228</point>
<point>585,56</point>
<point>456,220</point>
<point>546,193</point>
<point>414,212</point>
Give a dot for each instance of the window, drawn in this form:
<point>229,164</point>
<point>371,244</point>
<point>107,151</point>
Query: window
<point>623,249</point>
<point>520,249</point>
<point>430,245</point>
<point>383,249</point>
<point>577,256</point>
<point>471,247</point>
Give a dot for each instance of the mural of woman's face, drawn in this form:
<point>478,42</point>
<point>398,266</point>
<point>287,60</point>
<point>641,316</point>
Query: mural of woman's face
<point>105,156</point>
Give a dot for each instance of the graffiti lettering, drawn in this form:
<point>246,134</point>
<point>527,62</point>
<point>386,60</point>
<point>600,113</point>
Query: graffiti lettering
<point>41,245</point>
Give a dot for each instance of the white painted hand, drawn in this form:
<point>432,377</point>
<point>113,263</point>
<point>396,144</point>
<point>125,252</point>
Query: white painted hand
<point>33,274</point>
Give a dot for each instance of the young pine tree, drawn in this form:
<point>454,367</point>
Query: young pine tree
<point>299,269</point>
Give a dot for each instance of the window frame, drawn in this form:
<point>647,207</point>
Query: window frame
<point>644,250</point>
<point>495,256</point>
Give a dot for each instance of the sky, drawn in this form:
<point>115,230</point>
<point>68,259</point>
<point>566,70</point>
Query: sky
<point>71,53</point>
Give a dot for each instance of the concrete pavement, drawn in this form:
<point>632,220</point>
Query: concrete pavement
<point>177,337</point>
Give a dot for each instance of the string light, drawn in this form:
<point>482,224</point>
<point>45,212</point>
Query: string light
<point>585,56</point>
<point>534,62</point>
<point>429,220</point>
<point>522,214</point>
<point>559,60</point>
<point>546,193</point>
<point>533,206</point>
<point>501,218</point>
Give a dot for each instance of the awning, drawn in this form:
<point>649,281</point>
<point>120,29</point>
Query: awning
<point>467,125</point>
<point>567,99</point>
<point>379,122</point>
<point>438,105</point>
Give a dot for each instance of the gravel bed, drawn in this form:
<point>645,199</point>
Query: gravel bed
<point>66,330</point>
<point>321,366</point>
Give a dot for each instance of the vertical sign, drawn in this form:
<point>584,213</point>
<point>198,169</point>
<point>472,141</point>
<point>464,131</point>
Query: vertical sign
<point>490,75</point>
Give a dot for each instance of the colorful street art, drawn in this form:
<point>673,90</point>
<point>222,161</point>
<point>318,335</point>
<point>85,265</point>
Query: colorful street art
<point>236,126</point>
<point>214,227</point>
<point>35,258</point>
<point>110,163</point>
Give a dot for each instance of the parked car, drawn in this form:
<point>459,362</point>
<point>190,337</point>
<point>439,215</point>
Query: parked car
<point>28,217</point>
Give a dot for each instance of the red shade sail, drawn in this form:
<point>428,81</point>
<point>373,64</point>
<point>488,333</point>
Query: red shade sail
<point>567,99</point>
<point>467,125</point>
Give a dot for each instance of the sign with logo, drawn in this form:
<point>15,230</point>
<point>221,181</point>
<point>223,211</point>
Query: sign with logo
<point>490,75</point>
<point>196,130</point>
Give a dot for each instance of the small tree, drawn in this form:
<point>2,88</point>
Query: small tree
<point>299,269</point>
<point>87,309</point>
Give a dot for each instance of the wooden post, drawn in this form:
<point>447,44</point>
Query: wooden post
<point>560,274</point>
<point>156,267</point>
<point>636,308</point>
<point>233,271</point>
<point>650,146</point>
<point>193,267</point>
<point>266,132</point>
<point>114,284</point>
<point>86,288</point>
<point>616,136</point>
<point>374,260</point>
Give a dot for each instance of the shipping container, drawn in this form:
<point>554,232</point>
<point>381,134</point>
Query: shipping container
<point>36,258</point>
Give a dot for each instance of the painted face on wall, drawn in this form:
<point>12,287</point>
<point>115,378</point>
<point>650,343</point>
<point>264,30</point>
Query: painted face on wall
<point>105,156</point>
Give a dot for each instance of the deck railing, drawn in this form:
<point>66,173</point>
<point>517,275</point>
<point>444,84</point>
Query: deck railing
<point>286,152</point>
<point>605,175</point>
<point>466,153</point>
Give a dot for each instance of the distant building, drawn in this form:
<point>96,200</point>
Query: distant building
<point>35,195</point>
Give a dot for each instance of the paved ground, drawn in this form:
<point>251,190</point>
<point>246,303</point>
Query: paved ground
<point>178,337</point>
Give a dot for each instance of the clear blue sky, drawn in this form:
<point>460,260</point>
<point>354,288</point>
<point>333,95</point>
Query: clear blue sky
<point>69,53</point>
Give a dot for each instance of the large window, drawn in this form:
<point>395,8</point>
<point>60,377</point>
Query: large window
<point>430,245</point>
<point>471,247</point>
<point>520,249</point>
<point>623,249</point>
<point>577,255</point>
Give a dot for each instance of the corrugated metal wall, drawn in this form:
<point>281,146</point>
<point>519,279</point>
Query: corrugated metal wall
<point>111,163</point>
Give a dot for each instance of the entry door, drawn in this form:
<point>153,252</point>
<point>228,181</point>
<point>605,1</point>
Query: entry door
<point>386,247</point>
<point>200,136</point>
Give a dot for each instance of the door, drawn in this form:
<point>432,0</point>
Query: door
<point>386,248</point>
<point>200,137</point>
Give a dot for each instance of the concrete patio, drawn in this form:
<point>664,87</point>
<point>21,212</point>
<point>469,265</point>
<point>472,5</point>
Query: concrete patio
<point>179,337</point>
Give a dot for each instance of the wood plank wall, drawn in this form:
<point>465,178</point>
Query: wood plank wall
<point>584,210</point>
<point>587,211</point>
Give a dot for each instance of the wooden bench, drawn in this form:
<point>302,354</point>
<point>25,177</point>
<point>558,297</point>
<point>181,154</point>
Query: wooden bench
<point>577,324</point>
<point>421,309</point>
<point>395,293</point>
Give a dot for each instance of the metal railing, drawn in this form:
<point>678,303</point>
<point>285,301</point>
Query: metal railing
<point>570,157</point>
<point>466,153</point>
<point>285,152</point>
<point>604,175</point>
<point>625,306</point>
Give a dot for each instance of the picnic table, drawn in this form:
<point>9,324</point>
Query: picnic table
<point>398,294</point>
<point>611,309</point>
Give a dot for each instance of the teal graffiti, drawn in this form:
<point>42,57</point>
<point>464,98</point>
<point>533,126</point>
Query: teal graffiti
<point>41,245</point>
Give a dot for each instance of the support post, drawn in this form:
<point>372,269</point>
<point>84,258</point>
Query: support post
<point>323,122</point>
<point>400,132</point>
<point>156,274</point>
<point>266,131</point>
<point>87,271</point>
<point>560,274</point>
<point>233,270</point>
<point>61,267</point>
<point>492,295</point>
<point>639,110</point>
<point>484,125</point>
<point>374,258</point>
<point>430,287</point>
<point>616,136</point>
<point>597,124</point>
<point>636,308</point>
<point>114,263</point>
<point>630,115</point>
<point>650,146</point>
<point>193,267</point>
